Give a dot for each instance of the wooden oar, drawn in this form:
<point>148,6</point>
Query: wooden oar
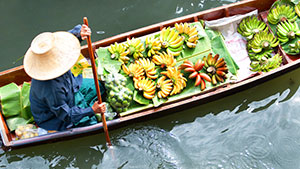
<point>91,54</point>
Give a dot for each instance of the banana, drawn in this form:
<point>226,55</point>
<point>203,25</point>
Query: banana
<point>198,80</point>
<point>214,67</point>
<point>193,75</point>
<point>250,26</point>
<point>297,9</point>
<point>171,40</point>
<point>118,52</point>
<point>265,65</point>
<point>164,60</point>
<point>173,53</point>
<point>135,47</point>
<point>134,70</point>
<point>189,33</point>
<point>199,65</point>
<point>147,86</point>
<point>148,66</point>
<point>179,82</point>
<point>153,45</point>
<point>286,31</point>
<point>263,41</point>
<point>164,86</point>
<point>191,44</point>
<point>281,13</point>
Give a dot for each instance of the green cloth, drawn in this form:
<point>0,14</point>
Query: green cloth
<point>86,97</point>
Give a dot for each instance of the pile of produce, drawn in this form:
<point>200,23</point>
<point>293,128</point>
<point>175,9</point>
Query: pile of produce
<point>260,44</point>
<point>26,131</point>
<point>208,69</point>
<point>154,70</point>
<point>152,66</point>
<point>119,96</point>
<point>283,20</point>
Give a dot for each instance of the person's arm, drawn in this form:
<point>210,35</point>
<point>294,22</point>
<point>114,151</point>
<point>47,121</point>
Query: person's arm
<point>59,106</point>
<point>81,32</point>
<point>76,31</point>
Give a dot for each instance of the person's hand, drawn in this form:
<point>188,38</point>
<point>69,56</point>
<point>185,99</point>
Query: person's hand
<point>99,108</point>
<point>85,31</point>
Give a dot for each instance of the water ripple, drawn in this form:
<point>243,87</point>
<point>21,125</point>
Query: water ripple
<point>257,146</point>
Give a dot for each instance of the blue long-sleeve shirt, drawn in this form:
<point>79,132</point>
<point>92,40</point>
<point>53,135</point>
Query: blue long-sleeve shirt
<point>52,101</point>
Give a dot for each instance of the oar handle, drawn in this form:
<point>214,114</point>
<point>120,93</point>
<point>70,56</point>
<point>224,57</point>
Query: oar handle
<point>91,54</point>
<point>92,57</point>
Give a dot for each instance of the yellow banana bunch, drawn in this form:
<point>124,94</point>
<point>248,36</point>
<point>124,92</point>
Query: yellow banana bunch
<point>177,79</point>
<point>147,86</point>
<point>171,40</point>
<point>164,59</point>
<point>135,47</point>
<point>189,33</point>
<point>149,67</point>
<point>153,45</point>
<point>119,52</point>
<point>134,70</point>
<point>165,87</point>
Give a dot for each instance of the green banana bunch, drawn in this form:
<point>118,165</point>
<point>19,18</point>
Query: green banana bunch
<point>263,41</point>
<point>250,26</point>
<point>258,56</point>
<point>265,65</point>
<point>119,52</point>
<point>135,47</point>
<point>281,13</point>
<point>153,45</point>
<point>287,30</point>
<point>297,9</point>
<point>295,47</point>
<point>172,41</point>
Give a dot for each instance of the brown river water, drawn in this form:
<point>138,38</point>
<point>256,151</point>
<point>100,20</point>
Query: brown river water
<point>256,128</point>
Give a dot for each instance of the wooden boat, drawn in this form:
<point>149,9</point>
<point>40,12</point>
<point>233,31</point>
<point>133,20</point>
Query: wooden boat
<point>18,76</point>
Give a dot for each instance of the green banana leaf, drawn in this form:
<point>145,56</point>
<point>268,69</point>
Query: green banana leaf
<point>16,105</point>
<point>10,100</point>
<point>217,41</point>
<point>14,122</point>
<point>25,111</point>
<point>105,63</point>
<point>203,45</point>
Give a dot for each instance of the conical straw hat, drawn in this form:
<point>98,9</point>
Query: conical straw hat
<point>51,55</point>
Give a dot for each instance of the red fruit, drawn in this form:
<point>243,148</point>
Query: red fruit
<point>198,80</point>
<point>189,69</point>
<point>188,62</point>
<point>205,77</point>
<point>185,65</point>
<point>193,75</point>
<point>199,65</point>
<point>223,69</point>
<point>203,84</point>
<point>220,79</point>
<point>220,64</point>
<point>220,73</point>
<point>216,57</point>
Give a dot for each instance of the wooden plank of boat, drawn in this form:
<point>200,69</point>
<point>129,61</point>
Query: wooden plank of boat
<point>18,76</point>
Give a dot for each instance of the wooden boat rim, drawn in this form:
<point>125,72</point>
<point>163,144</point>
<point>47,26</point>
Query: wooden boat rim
<point>223,90</point>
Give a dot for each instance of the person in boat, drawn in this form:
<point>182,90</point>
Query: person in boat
<point>59,100</point>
